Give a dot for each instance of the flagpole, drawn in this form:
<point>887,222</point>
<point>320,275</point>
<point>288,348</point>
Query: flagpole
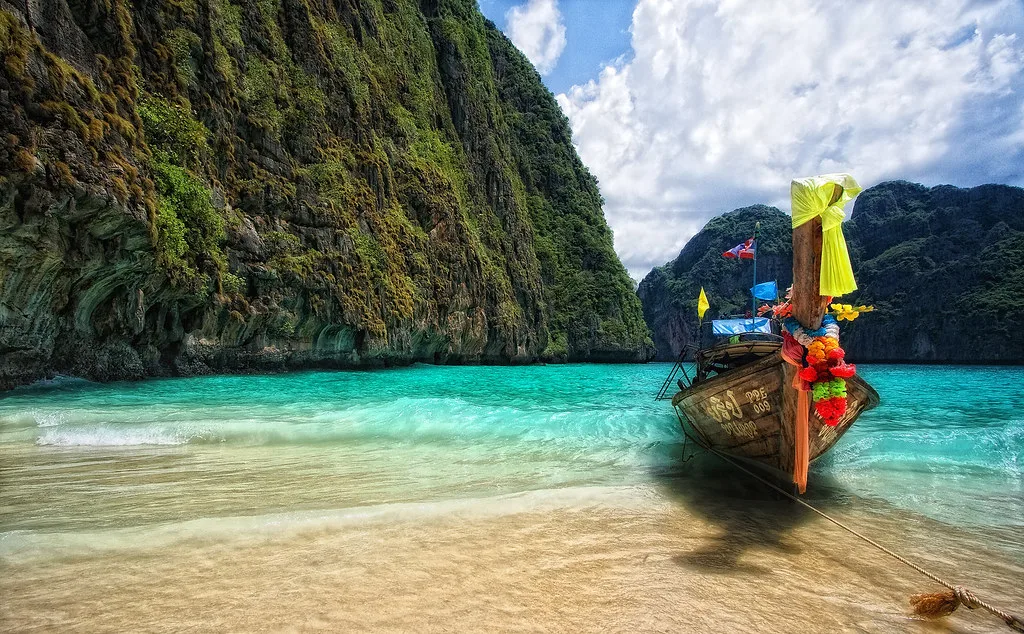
<point>753,297</point>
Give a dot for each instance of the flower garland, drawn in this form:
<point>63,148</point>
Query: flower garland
<point>826,371</point>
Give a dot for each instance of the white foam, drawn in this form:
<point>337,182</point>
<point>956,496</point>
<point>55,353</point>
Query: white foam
<point>107,437</point>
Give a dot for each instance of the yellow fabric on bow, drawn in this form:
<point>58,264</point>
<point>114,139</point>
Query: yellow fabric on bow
<point>810,197</point>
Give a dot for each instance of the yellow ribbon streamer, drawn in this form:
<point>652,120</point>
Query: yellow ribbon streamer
<point>810,197</point>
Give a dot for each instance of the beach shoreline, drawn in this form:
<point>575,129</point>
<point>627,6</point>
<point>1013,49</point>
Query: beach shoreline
<point>590,559</point>
<point>557,498</point>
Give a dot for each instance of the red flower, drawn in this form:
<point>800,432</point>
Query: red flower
<point>831,410</point>
<point>809,374</point>
<point>837,354</point>
<point>844,370</point>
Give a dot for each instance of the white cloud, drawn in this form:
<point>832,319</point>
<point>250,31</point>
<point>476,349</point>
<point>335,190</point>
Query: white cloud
<point>536,28</point>
<point>724,102</point>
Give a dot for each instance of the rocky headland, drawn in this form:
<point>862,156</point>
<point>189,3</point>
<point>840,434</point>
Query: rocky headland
<point>195,186</point>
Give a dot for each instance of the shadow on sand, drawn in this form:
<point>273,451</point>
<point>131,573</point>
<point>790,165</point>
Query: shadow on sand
<point>746,514</point>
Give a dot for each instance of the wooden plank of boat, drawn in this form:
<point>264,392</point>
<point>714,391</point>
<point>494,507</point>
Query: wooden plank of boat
<point>747,414</point>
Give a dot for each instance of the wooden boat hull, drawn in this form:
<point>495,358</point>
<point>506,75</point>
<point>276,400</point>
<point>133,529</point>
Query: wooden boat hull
<point>748,414</point>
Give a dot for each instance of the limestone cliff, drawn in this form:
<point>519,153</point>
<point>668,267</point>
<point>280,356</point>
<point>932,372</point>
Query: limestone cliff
<point>189,186</point>
<point>944,267</point>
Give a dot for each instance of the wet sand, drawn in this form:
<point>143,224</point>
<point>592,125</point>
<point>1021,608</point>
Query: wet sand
<point>669,556</point>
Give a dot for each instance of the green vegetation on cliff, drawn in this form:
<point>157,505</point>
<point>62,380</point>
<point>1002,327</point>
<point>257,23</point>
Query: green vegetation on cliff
<point>587,289</point>
<point>262,183</point>
<point>943,266</point>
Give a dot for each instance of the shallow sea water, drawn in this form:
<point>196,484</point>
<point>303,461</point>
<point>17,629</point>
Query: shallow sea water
<point>543,498</point>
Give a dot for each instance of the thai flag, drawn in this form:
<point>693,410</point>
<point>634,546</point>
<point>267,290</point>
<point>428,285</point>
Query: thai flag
<point>743,251</point>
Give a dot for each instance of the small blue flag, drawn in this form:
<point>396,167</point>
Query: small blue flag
<point>766,290</point>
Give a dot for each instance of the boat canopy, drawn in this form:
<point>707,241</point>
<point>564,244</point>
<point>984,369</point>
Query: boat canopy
<point>724,327</point>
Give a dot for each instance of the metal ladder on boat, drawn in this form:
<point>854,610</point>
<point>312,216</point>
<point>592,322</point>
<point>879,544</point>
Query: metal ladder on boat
<point>676,368</point>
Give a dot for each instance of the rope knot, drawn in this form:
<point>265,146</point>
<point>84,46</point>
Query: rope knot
<point>966,597</point>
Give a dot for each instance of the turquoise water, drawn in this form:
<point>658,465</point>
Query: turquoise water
<point>941,437</point>
<point>122,475</point>
<point>946,441</point>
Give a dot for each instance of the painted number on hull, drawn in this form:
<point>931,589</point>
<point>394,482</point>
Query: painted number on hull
<point>725,410</point>
<point>740,428</point>
<point>827,435</point>
<point>758,399</point>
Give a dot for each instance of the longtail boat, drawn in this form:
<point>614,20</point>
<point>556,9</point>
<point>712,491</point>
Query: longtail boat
<point>778,402</point>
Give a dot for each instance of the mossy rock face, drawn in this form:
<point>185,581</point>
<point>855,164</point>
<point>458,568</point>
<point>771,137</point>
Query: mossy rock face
<point>943,266</point>
<point>260,184</point>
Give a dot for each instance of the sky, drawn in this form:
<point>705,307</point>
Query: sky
<point>685,109</point>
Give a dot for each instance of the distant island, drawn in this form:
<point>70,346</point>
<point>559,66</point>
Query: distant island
<point>249,186</point>
<point>943,266</point>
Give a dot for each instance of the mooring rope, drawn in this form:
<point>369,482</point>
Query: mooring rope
<point>961,594</point>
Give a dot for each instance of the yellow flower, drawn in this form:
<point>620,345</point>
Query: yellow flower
<point>846,311</point>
